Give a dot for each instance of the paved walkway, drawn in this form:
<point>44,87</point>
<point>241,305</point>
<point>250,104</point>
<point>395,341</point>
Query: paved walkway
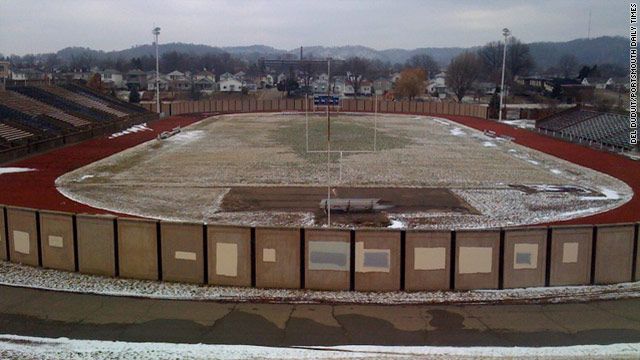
<point>55,314</point>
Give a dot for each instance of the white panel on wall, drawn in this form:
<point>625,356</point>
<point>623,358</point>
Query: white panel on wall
<point>329,255</point>
<point>475,260</point>
<point>227,259</point>
<point>372,260</point>
<point>430,258</point>
<point>185,255</point>
<point>56,241</point>
<point>570,252</point>
<point>268,255</point>
<point>525,256</point>
<point>21,242</point>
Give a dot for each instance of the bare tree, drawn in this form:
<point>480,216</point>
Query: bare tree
<point>462,72</point>
<point>519,60</point>
<point>424,62</point>
<point>568,64</point>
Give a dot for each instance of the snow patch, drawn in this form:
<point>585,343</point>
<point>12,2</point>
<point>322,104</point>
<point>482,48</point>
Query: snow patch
<point>396,224</point>
<point>17,346</point>
<point>556,171</point>
<point>186,137</point>
<point>13,170</point>
<point>488,144</point>
<point>457,132</point>
<point>608,195</point>
<point>131,130</point>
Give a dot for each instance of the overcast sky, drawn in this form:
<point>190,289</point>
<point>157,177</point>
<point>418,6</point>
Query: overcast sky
<point>35,26</point>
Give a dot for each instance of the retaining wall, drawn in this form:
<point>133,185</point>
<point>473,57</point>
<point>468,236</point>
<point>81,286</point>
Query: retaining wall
<point>319,258</point>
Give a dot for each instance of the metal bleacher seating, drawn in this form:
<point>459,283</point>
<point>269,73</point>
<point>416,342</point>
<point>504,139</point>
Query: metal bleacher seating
<point>63,104</point>
<point>39,122</point>
<point>594,127</point>
<point>36,108</point>
<point>9,133</point>
<point>113,103</point>
<point>82,100</point>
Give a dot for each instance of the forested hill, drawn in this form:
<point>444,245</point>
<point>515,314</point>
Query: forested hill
<point>612,50</point>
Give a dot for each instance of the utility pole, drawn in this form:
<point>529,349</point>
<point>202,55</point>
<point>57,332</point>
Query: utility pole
<point>505,33</point>
<point>329,101</point>
<point>156,32</point>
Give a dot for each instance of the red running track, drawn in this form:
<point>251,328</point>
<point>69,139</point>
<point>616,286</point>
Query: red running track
<point>37,189</point>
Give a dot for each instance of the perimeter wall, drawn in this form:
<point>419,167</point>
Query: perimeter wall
<point>319,258</point>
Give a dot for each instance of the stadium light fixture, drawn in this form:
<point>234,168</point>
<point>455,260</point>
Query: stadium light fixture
<point>156,32</point>
<point>505,32</point>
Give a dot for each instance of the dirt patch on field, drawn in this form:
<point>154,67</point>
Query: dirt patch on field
<point>307,199</point>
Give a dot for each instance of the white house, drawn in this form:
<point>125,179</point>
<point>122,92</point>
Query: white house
<point>226,76</point>
<point>112,77</point>
<point>230,85</point>
<point>163,84</point>
<point>282,77</point>
<point>366,88</point>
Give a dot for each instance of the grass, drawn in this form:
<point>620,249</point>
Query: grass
<point>346,135</point>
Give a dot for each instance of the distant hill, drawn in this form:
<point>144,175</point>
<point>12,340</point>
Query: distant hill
<point>600,50</point>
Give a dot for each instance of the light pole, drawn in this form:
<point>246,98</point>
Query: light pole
<point>156,32</point>
<point>505,33</point>
<point>329,100</point>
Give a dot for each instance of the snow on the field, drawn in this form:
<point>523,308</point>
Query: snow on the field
<point>396,224</point>
<point>556,171</point>
<point>186,137</point>
<point>131,130</point>
<point>522,123</point>
<point>609,194</point>
<point>13,170</point>
<point>56,280</point>
<point>457,132</point>
<point>440,121</point>
<point>15,346</point>
<point>488,144</point>
<point>87,176</point>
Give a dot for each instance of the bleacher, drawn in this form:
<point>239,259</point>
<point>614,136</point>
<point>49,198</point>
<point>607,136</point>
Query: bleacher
<point>106,100</point>
<point>35,117</point>
<point>596,128</point>
<point>67,106</point>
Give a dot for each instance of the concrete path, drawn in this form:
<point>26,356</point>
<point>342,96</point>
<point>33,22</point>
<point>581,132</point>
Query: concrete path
<point>78,316</point>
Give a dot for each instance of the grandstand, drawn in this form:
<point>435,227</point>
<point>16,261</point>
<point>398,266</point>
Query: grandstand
<point>35,117</point>
<point>583,125</point>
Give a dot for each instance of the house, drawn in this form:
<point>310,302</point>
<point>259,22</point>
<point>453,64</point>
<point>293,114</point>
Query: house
<point>136,79</point>
<point>395,77</point>
<point>282,77</point>
<point>5,69</point>
<point>27,74</point>
<point>112,78</point>
<point>230,85</point>
<point>240,75</point>
<point>381,86</point>
<point>176,75</point>
<point>226,76</point>
<point>205,75</point>
<point>437,86</point>
<point>319,86</point>
<point>205,84</point>
<point>366,88</point>
<point>163,84</point>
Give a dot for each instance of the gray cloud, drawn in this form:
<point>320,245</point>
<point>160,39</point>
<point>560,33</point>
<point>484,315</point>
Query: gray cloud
<point>34,26</point>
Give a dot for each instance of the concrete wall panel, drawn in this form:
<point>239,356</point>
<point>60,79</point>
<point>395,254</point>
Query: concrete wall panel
<point>56,240</point>
<point>427,265</point>
<point>571,255</point>
<point>327,259</point>
<point>614,254</point>
<point>377,260</point>
<point>96,245</point>
<point>477,259</point>
<point>278,258</point>
<point>138,249</point>
<point>525,254</point>
<point>23,242</point>
<point>229,251</point>
<point>182,252</point>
